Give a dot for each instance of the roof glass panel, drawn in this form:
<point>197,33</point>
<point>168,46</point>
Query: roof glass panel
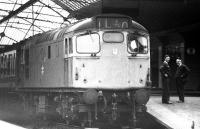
<point>77,4</point>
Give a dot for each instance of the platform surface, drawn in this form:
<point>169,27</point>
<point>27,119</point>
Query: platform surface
<point>6,125</point>
<point>177,115</point>
<point>10,119</point>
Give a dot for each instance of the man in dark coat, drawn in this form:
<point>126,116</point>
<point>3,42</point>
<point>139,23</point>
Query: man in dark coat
<point>181,78</point>
<point>166,75</point>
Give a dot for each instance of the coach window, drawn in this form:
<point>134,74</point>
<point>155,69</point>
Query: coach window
<point>27,63</point>
<point>2,67</point>
<point>87,44</point>
<point>14,64</point>
<point>22,52</point>
<point>27,56</point>
<point>137,44</point>
<point>5,65</point>
<point>9,64</point>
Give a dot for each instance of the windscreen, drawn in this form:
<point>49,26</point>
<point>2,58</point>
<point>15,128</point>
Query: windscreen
<point>88,43</point>
<point>137,44</point>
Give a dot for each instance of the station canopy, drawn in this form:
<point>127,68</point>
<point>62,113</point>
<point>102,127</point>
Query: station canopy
<point>20,19</point>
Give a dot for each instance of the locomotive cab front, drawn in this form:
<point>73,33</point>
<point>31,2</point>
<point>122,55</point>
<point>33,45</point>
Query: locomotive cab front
<point>112,55</point>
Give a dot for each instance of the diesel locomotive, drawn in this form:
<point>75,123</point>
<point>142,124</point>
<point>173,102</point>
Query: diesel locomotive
<point>96,68</point>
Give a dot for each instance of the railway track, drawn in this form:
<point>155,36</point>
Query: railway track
<point>17,117</point>
<point>145,121</point>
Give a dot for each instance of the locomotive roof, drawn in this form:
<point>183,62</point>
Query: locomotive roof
<point>91,24</point>
<point>85,24</point>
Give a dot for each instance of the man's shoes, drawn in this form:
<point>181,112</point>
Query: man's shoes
<point>167,102</point>
<point>180,101</point>
<point>170,102</point>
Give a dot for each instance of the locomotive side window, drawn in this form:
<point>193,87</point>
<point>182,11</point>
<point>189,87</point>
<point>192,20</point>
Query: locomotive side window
<point>137,44</point>
<point>49,52</point>
<point>70,46</point>
<point>113,37</point>
<point>87,44</point>
<point>66,46</point>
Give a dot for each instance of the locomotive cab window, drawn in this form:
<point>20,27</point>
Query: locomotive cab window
<point>137,44</point>
<point>88,43</point>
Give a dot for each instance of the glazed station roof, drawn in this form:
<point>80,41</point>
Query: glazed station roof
<point>20,19</point>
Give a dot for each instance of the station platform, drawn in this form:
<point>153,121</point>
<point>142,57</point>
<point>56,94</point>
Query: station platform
<point>6,125</point>
<point>12,119</point>
<point>177,115</point>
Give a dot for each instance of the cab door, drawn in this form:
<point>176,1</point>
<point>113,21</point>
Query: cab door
<point>139,61</point>
<point>68,61</point>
